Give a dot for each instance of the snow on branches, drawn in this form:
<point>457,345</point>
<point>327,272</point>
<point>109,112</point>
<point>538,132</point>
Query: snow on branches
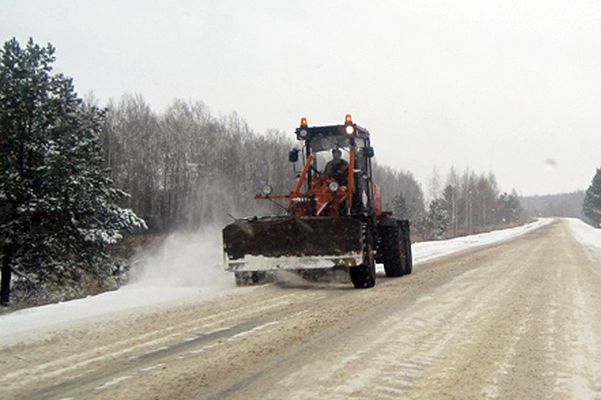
<point>58,207</point>
<point>591,206</point>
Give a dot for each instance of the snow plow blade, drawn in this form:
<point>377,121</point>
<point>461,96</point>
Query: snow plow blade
<point>291,243</point>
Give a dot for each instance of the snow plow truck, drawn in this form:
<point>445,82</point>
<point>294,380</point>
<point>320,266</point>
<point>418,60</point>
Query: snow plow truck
<point>333,217</point>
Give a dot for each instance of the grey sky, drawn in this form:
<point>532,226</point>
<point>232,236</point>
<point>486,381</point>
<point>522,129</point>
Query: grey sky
<point>510,87</point>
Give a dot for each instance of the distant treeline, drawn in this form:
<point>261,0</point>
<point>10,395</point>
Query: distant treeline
<point>465,203</point>
<point>185,168</point>
<point>554,205</point>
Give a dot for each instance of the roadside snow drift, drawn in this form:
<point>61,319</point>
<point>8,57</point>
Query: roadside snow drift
<point>425,251</point>
<point>586,234</point>
<point>188,266</point>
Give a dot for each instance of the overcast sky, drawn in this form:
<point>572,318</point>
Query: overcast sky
<point>502,86</point>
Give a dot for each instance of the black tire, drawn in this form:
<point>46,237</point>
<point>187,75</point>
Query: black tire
<point>249,278</point>
<point>405,245</point>
<point>364,276</point>
<point>390,247</point>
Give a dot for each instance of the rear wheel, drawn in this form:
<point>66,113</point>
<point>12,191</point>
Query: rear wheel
<point>391,249</point>
<point>249,278</point>
<point>396,247</point>
<point>406,254</point>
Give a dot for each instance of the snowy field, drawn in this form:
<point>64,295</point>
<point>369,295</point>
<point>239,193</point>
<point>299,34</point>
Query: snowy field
<point>189,267</point>
<point>586,234</point>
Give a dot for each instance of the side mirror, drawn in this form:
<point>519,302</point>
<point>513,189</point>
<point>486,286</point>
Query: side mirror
<point>369,152</point>
<point>293,155</point>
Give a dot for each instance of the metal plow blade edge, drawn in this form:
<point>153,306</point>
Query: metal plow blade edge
<point>290,243</point>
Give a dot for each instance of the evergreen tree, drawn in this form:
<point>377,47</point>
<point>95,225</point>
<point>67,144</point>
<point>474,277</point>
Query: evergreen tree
<point>591,206</point>
<point>400,209</point>
<point>58,210</point>
<point>450,200</point>
<point>438,220</point>
<point>509,207</point>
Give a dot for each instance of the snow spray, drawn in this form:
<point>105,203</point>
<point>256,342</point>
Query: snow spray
<point>183,260</point>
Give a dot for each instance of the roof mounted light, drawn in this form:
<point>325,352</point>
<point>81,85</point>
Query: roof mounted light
<point>304,123</point>
<point>349,126</point>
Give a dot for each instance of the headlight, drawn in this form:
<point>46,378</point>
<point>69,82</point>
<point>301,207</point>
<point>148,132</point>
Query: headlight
<point>350,130</point>
<point>333,186</point>
<point>266,190</point>
<point>303,134</point>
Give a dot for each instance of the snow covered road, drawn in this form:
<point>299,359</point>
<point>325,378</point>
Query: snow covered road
<point>172,275</point>
<point>518,319</point>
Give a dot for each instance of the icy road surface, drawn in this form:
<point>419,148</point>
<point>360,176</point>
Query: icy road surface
<point>518,319</point>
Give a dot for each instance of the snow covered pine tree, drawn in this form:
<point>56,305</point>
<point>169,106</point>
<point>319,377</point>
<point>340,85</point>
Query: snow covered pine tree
<point>591,207</point>
<point>58,209</point>
<point>438,220</point>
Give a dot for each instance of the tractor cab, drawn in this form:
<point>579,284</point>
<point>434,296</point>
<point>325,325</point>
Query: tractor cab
<point>333,184</point>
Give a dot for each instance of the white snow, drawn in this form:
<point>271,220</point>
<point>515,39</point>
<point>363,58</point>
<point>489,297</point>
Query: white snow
<point>586,234</point>
<point>425,251</point>
<point>190,266</point>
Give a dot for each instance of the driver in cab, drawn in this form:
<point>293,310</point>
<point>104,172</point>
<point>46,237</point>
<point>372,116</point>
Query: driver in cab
<point>337,168</point>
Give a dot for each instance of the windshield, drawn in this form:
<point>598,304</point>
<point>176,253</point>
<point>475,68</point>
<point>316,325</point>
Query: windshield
<point>322,147</point>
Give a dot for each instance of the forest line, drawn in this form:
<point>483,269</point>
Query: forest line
<point>184,168</point>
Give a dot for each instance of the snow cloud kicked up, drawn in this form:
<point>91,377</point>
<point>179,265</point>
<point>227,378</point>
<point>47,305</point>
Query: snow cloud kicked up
<point>185,266</point>
<point>183,260</point>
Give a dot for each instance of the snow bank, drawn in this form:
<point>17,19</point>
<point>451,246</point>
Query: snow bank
<point>586,234</point>
<point>189,265</point>
<point>425,251</point>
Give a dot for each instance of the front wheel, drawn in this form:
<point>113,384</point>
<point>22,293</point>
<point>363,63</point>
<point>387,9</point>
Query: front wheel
<point>249,278</point>
<point>364,276</point>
